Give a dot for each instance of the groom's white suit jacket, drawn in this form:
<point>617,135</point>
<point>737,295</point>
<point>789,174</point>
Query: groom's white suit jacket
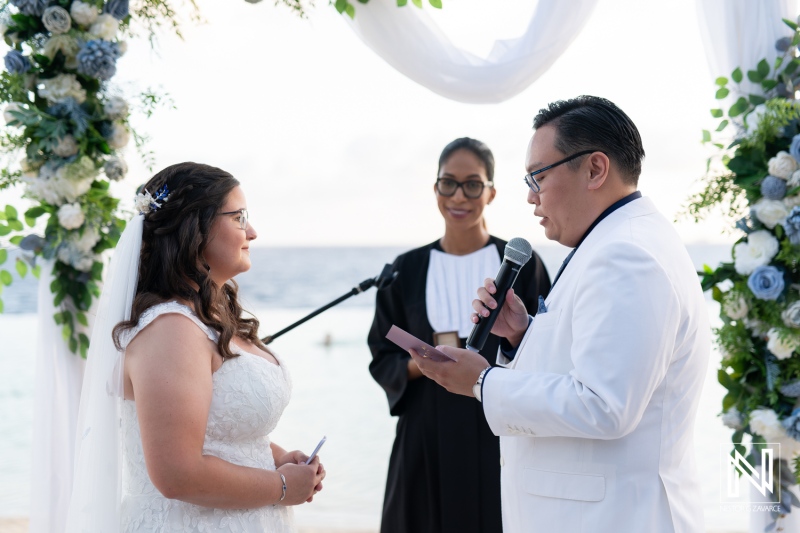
<point>596,411</point>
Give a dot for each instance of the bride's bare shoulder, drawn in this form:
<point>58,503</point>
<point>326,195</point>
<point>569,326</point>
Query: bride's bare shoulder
<point>170,333</point>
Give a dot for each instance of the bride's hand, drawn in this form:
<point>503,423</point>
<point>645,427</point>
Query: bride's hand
<point>294,457</point>
<point>302,481</point>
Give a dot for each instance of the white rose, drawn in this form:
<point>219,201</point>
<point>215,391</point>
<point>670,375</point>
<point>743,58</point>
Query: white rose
<point>68,46</point>
<point>87,241</point>
<point>781,348</point>
<point>56,19</point>
<point>116,108</point>
<point>119,137</point>
<point>12,106</point>
<point>66,147</point>
<point>82,13</point>
<point>791,316</point>
<point>794,180</point>
<point>105,27</point>
<point>735,306</point>
<point>765,422</point>
<point>770,212</point>
<point>71,216</point>
<point>732,418</point>
<point>792,201</point>
<point>754,118</point>
<point>142,202</point>
<point>61,87</point>
<point>115,168</point>
<point>760,248</point>
<point>84,264</point>
<point>782,165</point>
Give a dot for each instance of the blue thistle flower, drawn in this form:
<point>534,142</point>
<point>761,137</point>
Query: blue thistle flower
<point>792,424</point>
<point>792,225</point>
<point>773,188</point>
<point>118,9</point>
<point>16,63</point>
<point>32,8</point>
<point>70,109</point>
<point>792,390</point>
<point>98,59</point>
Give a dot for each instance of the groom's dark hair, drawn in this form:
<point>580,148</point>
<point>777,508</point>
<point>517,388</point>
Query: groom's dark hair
<point>593,123</point>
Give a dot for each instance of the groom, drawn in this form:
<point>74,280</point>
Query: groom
<point>595,407</point>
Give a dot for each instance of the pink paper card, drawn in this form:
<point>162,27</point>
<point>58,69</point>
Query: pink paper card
<point>408,341</point>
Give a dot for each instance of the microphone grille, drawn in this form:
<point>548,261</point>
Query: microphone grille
<point>518,250</point>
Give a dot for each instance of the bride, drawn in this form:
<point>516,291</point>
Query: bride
<point>180,395</point>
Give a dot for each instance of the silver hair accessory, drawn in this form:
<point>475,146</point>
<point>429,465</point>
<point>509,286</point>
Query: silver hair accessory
<point>146,202</point>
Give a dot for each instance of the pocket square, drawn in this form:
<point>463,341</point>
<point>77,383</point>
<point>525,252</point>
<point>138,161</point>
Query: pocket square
<point>542,307</point>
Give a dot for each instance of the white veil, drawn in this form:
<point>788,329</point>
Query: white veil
<point>96,492</point>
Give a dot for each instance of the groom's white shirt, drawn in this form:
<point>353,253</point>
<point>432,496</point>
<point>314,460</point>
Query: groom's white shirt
<point>596,412</point>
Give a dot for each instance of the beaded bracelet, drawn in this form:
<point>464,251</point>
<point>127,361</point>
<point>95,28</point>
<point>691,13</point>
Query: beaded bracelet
<point>283,489</point>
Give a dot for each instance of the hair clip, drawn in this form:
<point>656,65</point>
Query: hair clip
<point>145,202</point>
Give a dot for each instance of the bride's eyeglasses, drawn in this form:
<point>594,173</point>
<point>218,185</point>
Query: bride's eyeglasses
<point>243,217</point>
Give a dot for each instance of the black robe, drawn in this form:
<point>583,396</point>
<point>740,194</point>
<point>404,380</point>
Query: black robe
<point>444,471</point>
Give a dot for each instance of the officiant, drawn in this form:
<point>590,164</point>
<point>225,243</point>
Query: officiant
<point>444,470</point>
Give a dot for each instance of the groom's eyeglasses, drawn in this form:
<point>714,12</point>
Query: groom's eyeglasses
<point>534,185</point>
<point>243,217</point>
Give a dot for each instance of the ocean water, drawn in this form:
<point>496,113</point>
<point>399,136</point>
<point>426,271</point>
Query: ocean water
<point>333,393</point>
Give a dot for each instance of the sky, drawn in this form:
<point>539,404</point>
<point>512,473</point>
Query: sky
<point>334,147</point>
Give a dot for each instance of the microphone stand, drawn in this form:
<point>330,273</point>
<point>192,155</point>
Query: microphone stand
<point>381,280</point>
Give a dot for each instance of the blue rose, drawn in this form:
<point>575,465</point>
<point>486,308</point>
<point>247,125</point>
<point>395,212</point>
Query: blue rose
<point>98,59</point>
<point>792,424</point>
<point>118,9</point>
<point>792,225</point>
<point>773,188</point>
<point>766,282</point>
<point>16,63</point>
<point>32,8</point>
<point>794,148</point>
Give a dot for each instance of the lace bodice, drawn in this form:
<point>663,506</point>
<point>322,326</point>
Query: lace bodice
<point>249,395</point>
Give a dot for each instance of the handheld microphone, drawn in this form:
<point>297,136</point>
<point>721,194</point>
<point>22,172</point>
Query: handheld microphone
<point>518,251</point>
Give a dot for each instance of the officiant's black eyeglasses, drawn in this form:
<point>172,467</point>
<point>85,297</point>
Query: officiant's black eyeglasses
<point>472,188</point>
<point>534,185</point>
<point>243,217</point>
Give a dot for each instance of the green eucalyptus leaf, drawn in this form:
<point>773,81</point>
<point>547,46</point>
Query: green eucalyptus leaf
<point>778,63</point>
<point>3,255</point>
<point>436,3</point>
<point>73,345</point>
<point>754,76</point>
<point>22,268</point>
<point>722,92</point>
<point>763,68</point>
<point>340,5</point>
<point>722,125</point>
<point>36,271</point>
<point>35,212</point>
<point>82,320</point>
<point>756,99</point>
<point>5,277</point>
<point>789,23</point>
<point>768,85</point>
<point>15,225</point>
<point>417,3</point>
<point>721,81</point>
<point>736,75</point>
<point>716,113</point>
<point>2,308</point>
<point>11,212</point>
<point>740,106</point>
<point>350,10</point>
<point>706,136</point>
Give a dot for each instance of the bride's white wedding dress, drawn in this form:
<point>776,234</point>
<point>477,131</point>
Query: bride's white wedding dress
<point>249,395</point>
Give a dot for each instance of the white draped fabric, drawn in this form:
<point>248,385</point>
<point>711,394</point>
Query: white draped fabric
<point>57,391</point>
<point>410,41</point>
<point>739,33</point>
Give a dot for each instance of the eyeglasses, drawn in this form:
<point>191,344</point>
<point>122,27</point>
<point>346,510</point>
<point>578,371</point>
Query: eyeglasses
<point>472,188</point>
<point>243,217</point>
<point>534,185</point>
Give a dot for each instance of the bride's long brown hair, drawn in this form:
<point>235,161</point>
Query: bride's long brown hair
<point>172,265</point>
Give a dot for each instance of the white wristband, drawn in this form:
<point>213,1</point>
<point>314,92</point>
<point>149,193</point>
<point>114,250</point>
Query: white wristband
<point>283,489</point>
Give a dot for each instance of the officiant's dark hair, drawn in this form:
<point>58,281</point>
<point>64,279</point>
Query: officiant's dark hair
<point>474,146</point>
<point>171,265</point>
<point>593,123</point>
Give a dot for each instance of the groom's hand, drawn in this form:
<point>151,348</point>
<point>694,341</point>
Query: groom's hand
<point>512,320</point>
<point>456,376</point>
